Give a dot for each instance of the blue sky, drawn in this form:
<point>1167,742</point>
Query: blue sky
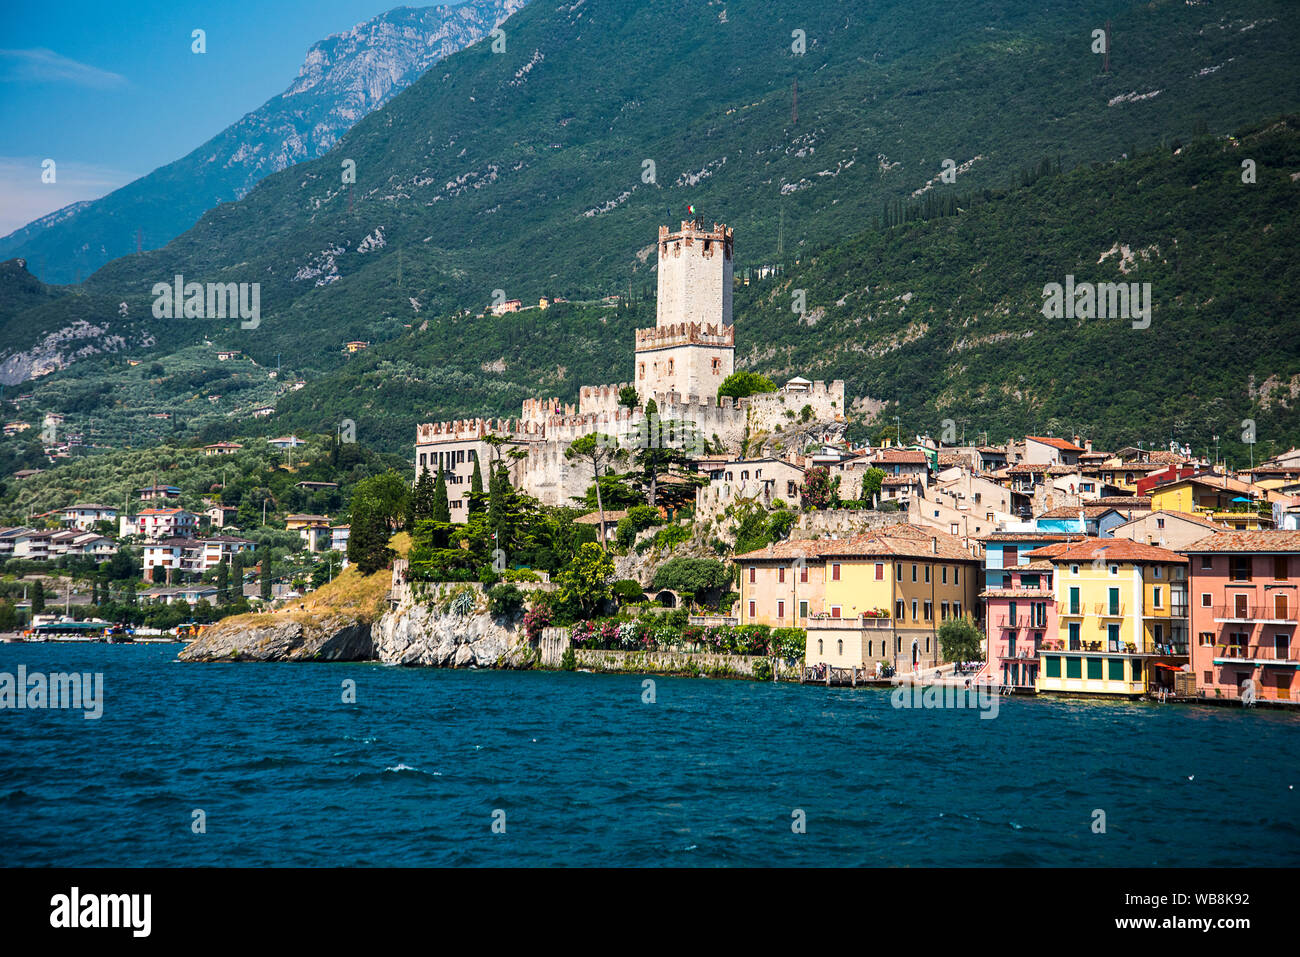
<point>110,91</point>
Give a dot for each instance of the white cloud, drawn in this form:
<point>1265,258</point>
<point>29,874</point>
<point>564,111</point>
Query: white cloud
<point>39,65</point>
<point>23,197</point>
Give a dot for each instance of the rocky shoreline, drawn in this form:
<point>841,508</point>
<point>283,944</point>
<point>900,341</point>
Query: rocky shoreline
<point>410,634</point>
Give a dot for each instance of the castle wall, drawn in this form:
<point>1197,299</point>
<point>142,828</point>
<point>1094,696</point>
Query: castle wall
<point>771,411</point>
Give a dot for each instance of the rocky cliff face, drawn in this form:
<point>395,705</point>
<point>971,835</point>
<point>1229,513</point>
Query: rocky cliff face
<point>422,635</point>
<point>343,77</point>
<point>411,634</point>
<point>282,638</point>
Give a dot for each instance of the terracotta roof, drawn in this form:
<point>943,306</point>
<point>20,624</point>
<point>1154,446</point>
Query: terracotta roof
<point>1234,541</point>
<point>1031,536</point>
<point>1114,550</point>
<point>1124,501</point>
<point>892,543</point>
<point>1183,516</point>
<point>893,456</point>
<point>1047,552</point>
<point>1016,593</point>
<point>1220,482</point>
<point>1072,511</point>
<point>901,480</point>
<point>1061,444</point>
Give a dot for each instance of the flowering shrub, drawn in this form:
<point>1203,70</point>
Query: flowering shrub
<point>535,619</point>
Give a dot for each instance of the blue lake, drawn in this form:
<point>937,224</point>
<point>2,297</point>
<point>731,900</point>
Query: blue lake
<point>586,774</point>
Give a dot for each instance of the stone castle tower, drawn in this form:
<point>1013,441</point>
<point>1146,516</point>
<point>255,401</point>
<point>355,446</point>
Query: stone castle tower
<point>692,347</point>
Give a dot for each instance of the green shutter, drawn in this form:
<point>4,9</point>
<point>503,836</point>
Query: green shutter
<point>1073,667</point>
<point>1094,669</point>
<point>1116,669</point>
<point>1053,666</point>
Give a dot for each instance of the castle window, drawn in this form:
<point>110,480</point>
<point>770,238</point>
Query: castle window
<point>717,366</point>
<point>670,366</point>
<point>641,371</point>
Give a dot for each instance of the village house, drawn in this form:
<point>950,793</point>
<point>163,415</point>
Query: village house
<point>155,492</point>
<point>156,524</point>
<point>1245,609</point>
<point>885,594</point>
<point>222,448</point>
<point>1123,618</point>
<point>219,516</point>
<point>1217,497</point>
<point>313,529</point>
<point>192,555</point>
<point>1172,530</point>
<point>85,517</point>
<point>1044,450</point>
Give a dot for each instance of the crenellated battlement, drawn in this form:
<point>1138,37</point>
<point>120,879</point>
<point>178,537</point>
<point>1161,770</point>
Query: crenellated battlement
<point>693,237</point>
<point>685,334</point>
<point>539,410</point>
<point>462,430</point>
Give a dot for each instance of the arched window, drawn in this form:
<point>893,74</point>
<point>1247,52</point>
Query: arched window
<point>840,649</point>
<point>819,646</point>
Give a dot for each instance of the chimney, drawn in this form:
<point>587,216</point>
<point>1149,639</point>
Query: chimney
<point>771,549</point>
<point>934,545</point>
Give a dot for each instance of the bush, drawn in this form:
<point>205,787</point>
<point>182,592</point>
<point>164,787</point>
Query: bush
<point>762,670</point>
<point>638,519</point>
<point>505,601</point>
<point>568,660</point>
<point>628,591</point>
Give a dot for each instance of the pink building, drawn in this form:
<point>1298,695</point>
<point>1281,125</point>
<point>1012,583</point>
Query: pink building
<point>1019,616</point>
<point>1243,587</point>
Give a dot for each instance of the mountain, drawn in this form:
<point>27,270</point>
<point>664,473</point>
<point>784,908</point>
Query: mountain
<point>525,171</point>
<point>942,318</point>
<point>343,78</point>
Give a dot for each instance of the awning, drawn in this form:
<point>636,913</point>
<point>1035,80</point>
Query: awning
<point>1161,664</point>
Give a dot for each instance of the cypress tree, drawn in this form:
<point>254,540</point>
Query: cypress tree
<point>424,496</point>
<point>38,597</point>
<point>441,510</point>
<point>266,575</point>
<point>223,582</point>
<point>476,488</point>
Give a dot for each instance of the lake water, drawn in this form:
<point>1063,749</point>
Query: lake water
<point>710,774</point>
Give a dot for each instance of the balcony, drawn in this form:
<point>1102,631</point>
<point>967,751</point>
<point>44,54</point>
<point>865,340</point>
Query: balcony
<point>876,623</point>
<point>1020,622</point>
<point>1265,653</point>
<point>1266,614</point>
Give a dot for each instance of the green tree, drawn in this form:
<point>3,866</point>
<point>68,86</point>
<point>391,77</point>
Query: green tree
<point>368,540</point>
<point>441,506</point>
<point>596,450</point>
<point>266,575</point>
<point>585,581</point>
<point>700,578</point>
<point>871,482</point>
<point>960,640</point>
<point>423,497</point>
<point>223,582</point>
<point>475,488</point>
<point>38,597</point>
<point>741,384</point>
<point>628,398</point>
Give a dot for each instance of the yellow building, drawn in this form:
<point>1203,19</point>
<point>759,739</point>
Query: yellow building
<point>1217,498</point>
<point>886,594</point>
<point>1121,618</point>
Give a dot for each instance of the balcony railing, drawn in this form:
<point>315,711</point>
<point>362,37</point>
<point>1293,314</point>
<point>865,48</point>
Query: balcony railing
<point>1026,621</point>
<point>1264,651</point>
<point>1255,613</point>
